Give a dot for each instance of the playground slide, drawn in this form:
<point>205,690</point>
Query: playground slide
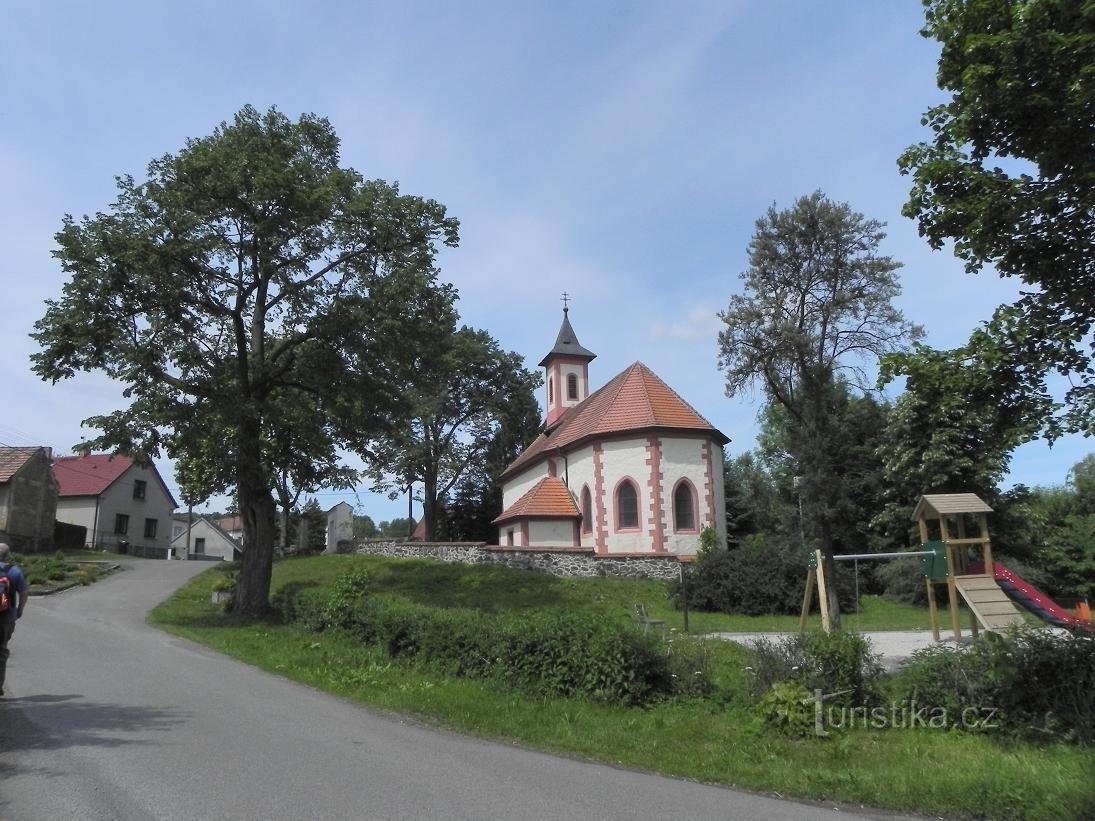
<point>1034,600</point>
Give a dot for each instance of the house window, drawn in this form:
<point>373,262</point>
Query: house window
<point>627,506</point>
<point>587,511</point>
<point>199,546</point>
<point>139,487</point>
<point>150,528</point>
<point>551,391</point>
<point>572,386</point>
<point>684,506</point>
<point>121,524</point>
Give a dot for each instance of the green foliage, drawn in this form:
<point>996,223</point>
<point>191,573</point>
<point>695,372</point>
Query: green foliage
<point>788,708</point>
<point>1039,683</point>
<point>551,652</point>
<point>364,527</point>
<point>754,501</point>
<point>460,392</point>
<point>247,277</point>
<point>1009,178</point>
<point>396,528</point>
<point>839,664</point>
<point>763,576</point>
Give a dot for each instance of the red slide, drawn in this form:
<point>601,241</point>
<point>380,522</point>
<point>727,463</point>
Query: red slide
<point>1027,595</point>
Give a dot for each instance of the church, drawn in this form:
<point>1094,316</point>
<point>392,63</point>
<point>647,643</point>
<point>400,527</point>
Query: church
<point>630,469</point>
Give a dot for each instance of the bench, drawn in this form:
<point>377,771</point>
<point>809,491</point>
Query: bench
<point>645,622</point>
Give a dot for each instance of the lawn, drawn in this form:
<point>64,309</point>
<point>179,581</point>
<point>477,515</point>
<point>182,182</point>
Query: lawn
<point>49,572</point>
<point>716,739</point>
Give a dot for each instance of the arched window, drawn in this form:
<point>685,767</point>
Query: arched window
<point>684,506</point>
<point>587,510</point>
<point>627,506</point>
<point>572,386</point>
<point>551,391</point>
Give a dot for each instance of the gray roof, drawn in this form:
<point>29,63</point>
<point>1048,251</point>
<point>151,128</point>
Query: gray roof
<point>935,505</point>
<point>566,344</point>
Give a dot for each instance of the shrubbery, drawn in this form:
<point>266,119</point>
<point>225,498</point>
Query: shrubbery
<point>839,664</point>
<point>1039,682</point>
<point>762,576</point>
<point>546,652</point>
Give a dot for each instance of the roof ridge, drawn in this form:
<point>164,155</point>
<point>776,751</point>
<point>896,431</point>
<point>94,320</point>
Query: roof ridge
<point>680,398</point>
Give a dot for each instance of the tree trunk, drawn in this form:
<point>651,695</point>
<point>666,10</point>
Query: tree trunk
<point>828,570</point>
<point>257,510</point>
<point>429,504</point>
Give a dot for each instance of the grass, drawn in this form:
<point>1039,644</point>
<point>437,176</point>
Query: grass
<point>715,740</point>
<point>49,572</point>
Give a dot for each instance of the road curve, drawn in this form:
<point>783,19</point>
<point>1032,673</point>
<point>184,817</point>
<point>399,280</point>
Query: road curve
<point>107,718</point>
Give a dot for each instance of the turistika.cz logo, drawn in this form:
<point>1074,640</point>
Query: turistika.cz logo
<point>905,715</point>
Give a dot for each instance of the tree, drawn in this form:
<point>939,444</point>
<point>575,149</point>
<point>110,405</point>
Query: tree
<point>364,527</point>
<point>459,395</point>
<point>953,430</point>
<point>817,305</point>
<point>396,528</point>
<point>476,500</point>
<point>1009,177</point>
<point>247,275</point>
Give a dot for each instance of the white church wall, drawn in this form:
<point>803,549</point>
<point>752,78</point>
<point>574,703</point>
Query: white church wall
<point>626,458</point>
<point>683,458</point>
<point>578,472</point>
<point>551,533</point>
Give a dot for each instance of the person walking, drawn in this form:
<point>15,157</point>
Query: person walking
<point>16,595</point>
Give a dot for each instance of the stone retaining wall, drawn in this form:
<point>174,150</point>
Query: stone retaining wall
<point>558,561</point>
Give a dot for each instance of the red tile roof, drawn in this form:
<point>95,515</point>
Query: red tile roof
<point>12,459</point>
<point>635,400</point>
<point>548,499</point>
<point>88,475</point>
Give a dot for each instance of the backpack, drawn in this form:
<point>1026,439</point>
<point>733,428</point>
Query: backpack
<point>5,588</point>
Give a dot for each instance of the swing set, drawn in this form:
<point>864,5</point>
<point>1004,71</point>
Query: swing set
<point>949,560</point>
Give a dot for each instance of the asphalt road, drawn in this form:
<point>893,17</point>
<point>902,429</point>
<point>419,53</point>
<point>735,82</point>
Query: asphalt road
<point>107,718</point>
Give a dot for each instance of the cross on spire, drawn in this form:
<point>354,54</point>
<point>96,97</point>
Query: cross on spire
<point>566,299</point>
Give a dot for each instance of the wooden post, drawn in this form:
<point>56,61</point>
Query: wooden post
<point>823,596</point>
<point>933,611</point>
<point>961,562</point>
<point>952,590</point>
<point>807,600</point>
<point>986,546</point>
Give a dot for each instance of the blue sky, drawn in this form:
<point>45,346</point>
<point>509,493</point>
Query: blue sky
<point>620,151</point>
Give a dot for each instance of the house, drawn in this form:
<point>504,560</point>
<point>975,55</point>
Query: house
<point>28,497</point>
<point>232,525</point>
<point>628,469</point>
<point>340,527</point>
<point>208,541</point>
<point>123,505</point>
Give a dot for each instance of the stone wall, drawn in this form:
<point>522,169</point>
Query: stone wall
<point>558,561</point>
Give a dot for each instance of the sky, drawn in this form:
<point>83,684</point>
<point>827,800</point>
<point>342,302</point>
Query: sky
<point>620,151</point>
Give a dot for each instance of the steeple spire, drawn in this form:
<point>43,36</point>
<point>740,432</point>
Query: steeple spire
<point>566,369</point>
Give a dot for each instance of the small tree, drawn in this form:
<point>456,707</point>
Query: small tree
<point>817,304</point>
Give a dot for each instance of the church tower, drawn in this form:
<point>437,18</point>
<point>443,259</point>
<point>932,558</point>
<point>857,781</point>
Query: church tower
<point>566,371</point>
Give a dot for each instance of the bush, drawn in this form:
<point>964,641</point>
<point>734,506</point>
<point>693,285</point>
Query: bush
<point>839,664</point>
<point>1039,682</point>
<point>788,708</point>
<point>551,653</point>
<point>762,576</point>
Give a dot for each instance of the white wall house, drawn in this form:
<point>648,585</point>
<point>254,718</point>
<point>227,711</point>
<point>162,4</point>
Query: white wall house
<point>630,468</point>
<point>207,541</point>
<point>117,500</point>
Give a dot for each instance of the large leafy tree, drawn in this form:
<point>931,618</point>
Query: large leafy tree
<point>249,273</point>
<point>1009,177</point>
<point>815,313</point>
<point>476,500</point>
<point>459,394</point>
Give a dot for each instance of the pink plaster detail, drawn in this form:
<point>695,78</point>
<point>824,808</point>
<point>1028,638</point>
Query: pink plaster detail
<point>600,543</point>
<point>577,534</point>
<point>552,469</point>
<point>708,485</point>
<point>656,522</point>
<point>524,534</point>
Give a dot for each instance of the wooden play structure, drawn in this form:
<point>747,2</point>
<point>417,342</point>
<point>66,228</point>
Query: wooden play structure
<point>951,557</point>
<point>962,562</point>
